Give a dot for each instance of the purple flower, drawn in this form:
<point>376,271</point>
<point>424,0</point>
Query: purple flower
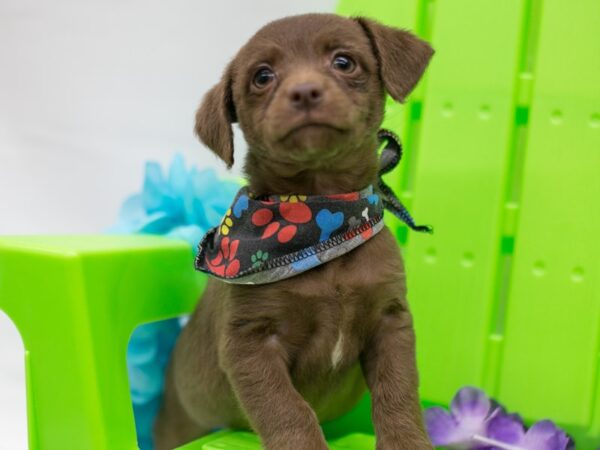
<point>511,435</point>
<point>469,414</point>
<point>476,422</point>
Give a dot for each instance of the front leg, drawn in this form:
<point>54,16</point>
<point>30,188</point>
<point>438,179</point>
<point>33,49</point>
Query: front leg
<point>389,366</point>
<point>255,362</point>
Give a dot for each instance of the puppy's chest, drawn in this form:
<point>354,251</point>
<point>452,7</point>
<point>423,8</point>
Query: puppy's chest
<point>324,317</point>
<point>339,319</point>
<point>332,337</point>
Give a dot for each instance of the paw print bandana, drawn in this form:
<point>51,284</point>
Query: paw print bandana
<point>265,239</point>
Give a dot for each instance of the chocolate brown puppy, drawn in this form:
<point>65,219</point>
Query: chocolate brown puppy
<point>308,93</point>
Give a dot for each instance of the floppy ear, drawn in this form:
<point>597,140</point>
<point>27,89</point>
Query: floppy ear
<point>215,116</point>
<point>402,57</point>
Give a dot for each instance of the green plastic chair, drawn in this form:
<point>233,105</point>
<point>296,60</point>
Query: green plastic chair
<point>502,156</point>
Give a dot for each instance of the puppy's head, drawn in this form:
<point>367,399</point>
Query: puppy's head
<point>308,89</point>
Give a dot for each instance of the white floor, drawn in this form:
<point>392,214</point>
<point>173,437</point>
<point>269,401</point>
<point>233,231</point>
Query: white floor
<point>13,416</point>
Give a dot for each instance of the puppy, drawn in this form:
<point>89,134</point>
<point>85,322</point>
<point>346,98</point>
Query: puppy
<point>308,93</point>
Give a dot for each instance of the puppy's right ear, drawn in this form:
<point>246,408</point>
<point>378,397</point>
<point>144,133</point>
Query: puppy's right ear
<point>215,116</point>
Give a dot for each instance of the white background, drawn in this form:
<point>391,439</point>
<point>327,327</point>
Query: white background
<point>89,91</point>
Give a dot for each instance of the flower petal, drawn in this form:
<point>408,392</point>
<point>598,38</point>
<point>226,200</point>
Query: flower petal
<point>158,222</point>
<point>155,194</point>
<point>505,428</point>
<point>133,209</point>
<point>441,427</point>
<point>470,404</point>
<point>545,435</point>
<point>178,175</point>
<point>192,234</point>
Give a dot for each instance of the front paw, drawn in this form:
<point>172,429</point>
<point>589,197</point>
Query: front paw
<point>300,444</point>
<point>296,440</point>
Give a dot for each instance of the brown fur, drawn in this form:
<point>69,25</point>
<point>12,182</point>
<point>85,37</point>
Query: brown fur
<point>261,357</point>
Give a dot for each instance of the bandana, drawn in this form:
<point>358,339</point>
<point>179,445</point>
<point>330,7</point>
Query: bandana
<point>263,239</point>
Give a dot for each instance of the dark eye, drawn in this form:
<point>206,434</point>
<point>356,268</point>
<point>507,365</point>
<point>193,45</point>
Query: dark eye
<point>343,63</point>
<point>263,77</point>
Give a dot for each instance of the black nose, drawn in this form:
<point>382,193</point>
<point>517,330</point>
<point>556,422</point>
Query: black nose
<point>306,96</point>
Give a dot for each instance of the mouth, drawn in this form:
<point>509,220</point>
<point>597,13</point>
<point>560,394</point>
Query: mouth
<point>312,126</point>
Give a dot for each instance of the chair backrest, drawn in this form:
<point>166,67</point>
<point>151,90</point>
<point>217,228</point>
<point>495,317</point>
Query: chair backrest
<point>502,145</point>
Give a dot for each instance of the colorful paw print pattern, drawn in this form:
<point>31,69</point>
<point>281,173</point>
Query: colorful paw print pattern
<point>259,258</point>
<point>291,214</point>
<point>293,198</point>
<point>226,223</point>
<point>263,239</point>
<point>225,262</point>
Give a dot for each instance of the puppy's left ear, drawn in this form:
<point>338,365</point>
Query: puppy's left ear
<point>215,116</point>
<point>402,57</point>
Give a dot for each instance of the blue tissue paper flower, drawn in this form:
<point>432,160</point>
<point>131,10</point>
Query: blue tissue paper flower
<point>182,204</point>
